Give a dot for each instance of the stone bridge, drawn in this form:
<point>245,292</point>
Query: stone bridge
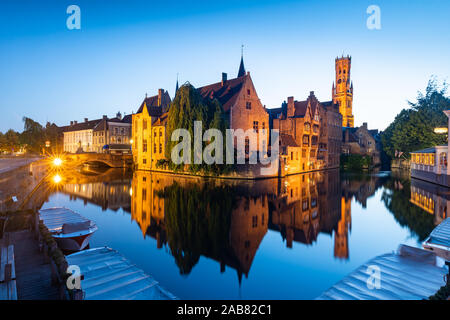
<point>110,160</point>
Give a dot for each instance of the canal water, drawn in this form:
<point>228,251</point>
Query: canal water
<point>287,238</point>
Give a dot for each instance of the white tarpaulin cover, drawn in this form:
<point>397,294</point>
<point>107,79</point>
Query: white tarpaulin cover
<point>410,274</point>
<point>441,234</point>
<point>55,218</point>
<point>110,276</point>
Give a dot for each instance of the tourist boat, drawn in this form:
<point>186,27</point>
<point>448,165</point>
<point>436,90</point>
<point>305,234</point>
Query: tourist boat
<point>107,275</point>
<point>71,230</point>
<point>439,240</point>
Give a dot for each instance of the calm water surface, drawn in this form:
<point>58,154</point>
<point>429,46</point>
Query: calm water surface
<point>287,238</point>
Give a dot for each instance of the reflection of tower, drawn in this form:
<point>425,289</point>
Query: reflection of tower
<point>341,234</point>
<point>249,221</point>
<point>342,93</point>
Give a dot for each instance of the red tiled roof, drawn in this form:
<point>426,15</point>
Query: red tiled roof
<point>226,94</point>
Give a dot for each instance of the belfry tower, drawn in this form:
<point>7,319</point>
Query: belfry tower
<point>342,93</point>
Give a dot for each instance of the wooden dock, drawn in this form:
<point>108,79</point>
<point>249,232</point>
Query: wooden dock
<point>33,274</point>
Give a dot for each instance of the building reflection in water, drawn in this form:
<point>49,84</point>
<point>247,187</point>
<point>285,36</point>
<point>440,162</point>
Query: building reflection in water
<point>226,220</point>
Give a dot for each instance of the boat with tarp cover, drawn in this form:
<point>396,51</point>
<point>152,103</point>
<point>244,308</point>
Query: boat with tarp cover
<point>439,240</point>
<point>409,274</point>
<point>107,275</point>
<point>71,230</point>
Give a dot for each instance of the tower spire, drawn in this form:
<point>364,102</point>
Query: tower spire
<point>176,87</point>
<point>241,71</point>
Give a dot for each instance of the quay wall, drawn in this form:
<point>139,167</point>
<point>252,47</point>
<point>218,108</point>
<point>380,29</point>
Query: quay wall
<point>19,183</point>
<point>440,179</point>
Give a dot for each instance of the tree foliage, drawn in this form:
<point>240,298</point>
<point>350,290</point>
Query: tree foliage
<point>189,106</point>
<point>413,128</point>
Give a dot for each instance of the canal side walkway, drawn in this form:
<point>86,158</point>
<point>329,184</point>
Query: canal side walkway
<point>33,274</point>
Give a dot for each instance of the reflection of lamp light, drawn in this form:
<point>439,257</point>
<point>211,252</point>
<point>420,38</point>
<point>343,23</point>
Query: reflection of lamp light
<point>57,162</point>
<point>57,178</point>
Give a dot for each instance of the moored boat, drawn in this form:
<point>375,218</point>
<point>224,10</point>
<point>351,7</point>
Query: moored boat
<point>439,240</point>
<point>71,230</point>
<point>107,275</point>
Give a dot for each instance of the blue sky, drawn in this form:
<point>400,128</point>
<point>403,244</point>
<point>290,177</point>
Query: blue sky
<point>126,49</point>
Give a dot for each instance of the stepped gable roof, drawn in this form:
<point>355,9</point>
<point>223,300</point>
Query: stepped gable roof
<point>226,93</point>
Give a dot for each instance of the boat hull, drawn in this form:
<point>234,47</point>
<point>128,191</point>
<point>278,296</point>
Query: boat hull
<point>440,251</point>
<point>75,243</point>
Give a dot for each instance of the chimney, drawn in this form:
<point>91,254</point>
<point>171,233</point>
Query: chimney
<point>365,125</point>
<point>75,122</point>
<point>105,117</point>
<point>311,93</point>
<point>160,95</point>
<point>85,119</point>
<point>224,78</point>
<point>71,123</point>
<point>291,107</point>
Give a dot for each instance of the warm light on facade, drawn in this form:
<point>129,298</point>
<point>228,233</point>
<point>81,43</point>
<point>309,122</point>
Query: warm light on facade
<point>440,130</point>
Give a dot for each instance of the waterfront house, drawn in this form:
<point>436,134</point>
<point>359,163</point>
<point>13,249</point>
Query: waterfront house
<point>431,164</point>
<point>149,130</point>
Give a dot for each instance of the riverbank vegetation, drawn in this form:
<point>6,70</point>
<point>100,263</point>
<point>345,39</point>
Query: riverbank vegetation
<point>413,127</point>
<point>32,138</point>
<point>355,162</point>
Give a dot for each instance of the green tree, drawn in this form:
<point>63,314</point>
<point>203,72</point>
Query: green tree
<point>413,128</point>
<point>11,140</point>
<point>189,106</point>
<point>33,135</point>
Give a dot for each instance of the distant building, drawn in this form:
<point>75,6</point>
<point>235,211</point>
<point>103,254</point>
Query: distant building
<point>301,121</point>
<point>342,92</point>
<point>149,133</point>
<point>362,141</point>
<point>115,131</point>
<point>94,135</point>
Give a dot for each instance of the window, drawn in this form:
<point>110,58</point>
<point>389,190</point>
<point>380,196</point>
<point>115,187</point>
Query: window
<point>160,133</point>
<point>160,148</point>
<point>305,205</point>
<point>254,221</point>
<point>263,125</point>
<point>307,127</point>
<point>248,91</point>
<point>247,145</point>
<point>248,105</point>
<point>314,140</point>
<point>122,131</point>
<point>292,156</point>
<point>144,145</point>
<point>154,147</point>
<point>144,161</point>
<point>144,124</point>
<point>306,140</point>
<point>255,126</point>
<point>154,133</point>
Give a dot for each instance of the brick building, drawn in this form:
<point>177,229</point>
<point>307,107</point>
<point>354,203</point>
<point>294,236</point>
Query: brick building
<point>362,141</point>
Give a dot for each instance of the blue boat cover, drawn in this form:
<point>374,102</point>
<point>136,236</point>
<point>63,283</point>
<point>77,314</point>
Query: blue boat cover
<point>410,274</point>
<point>110,276</point>
<point>441,234</point>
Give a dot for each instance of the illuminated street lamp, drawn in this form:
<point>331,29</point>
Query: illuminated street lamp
<point>57,162</point>
<point>57,179</point>
<point>131,141</point>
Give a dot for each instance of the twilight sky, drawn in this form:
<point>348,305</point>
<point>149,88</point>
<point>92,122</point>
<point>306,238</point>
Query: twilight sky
<point>128,48</point>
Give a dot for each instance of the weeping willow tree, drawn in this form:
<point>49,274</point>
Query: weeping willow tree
<point>198,220</point>
<point>187,107</point>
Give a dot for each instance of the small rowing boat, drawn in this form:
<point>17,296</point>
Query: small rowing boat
<point>439,240</point>
<point>71,230</point>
